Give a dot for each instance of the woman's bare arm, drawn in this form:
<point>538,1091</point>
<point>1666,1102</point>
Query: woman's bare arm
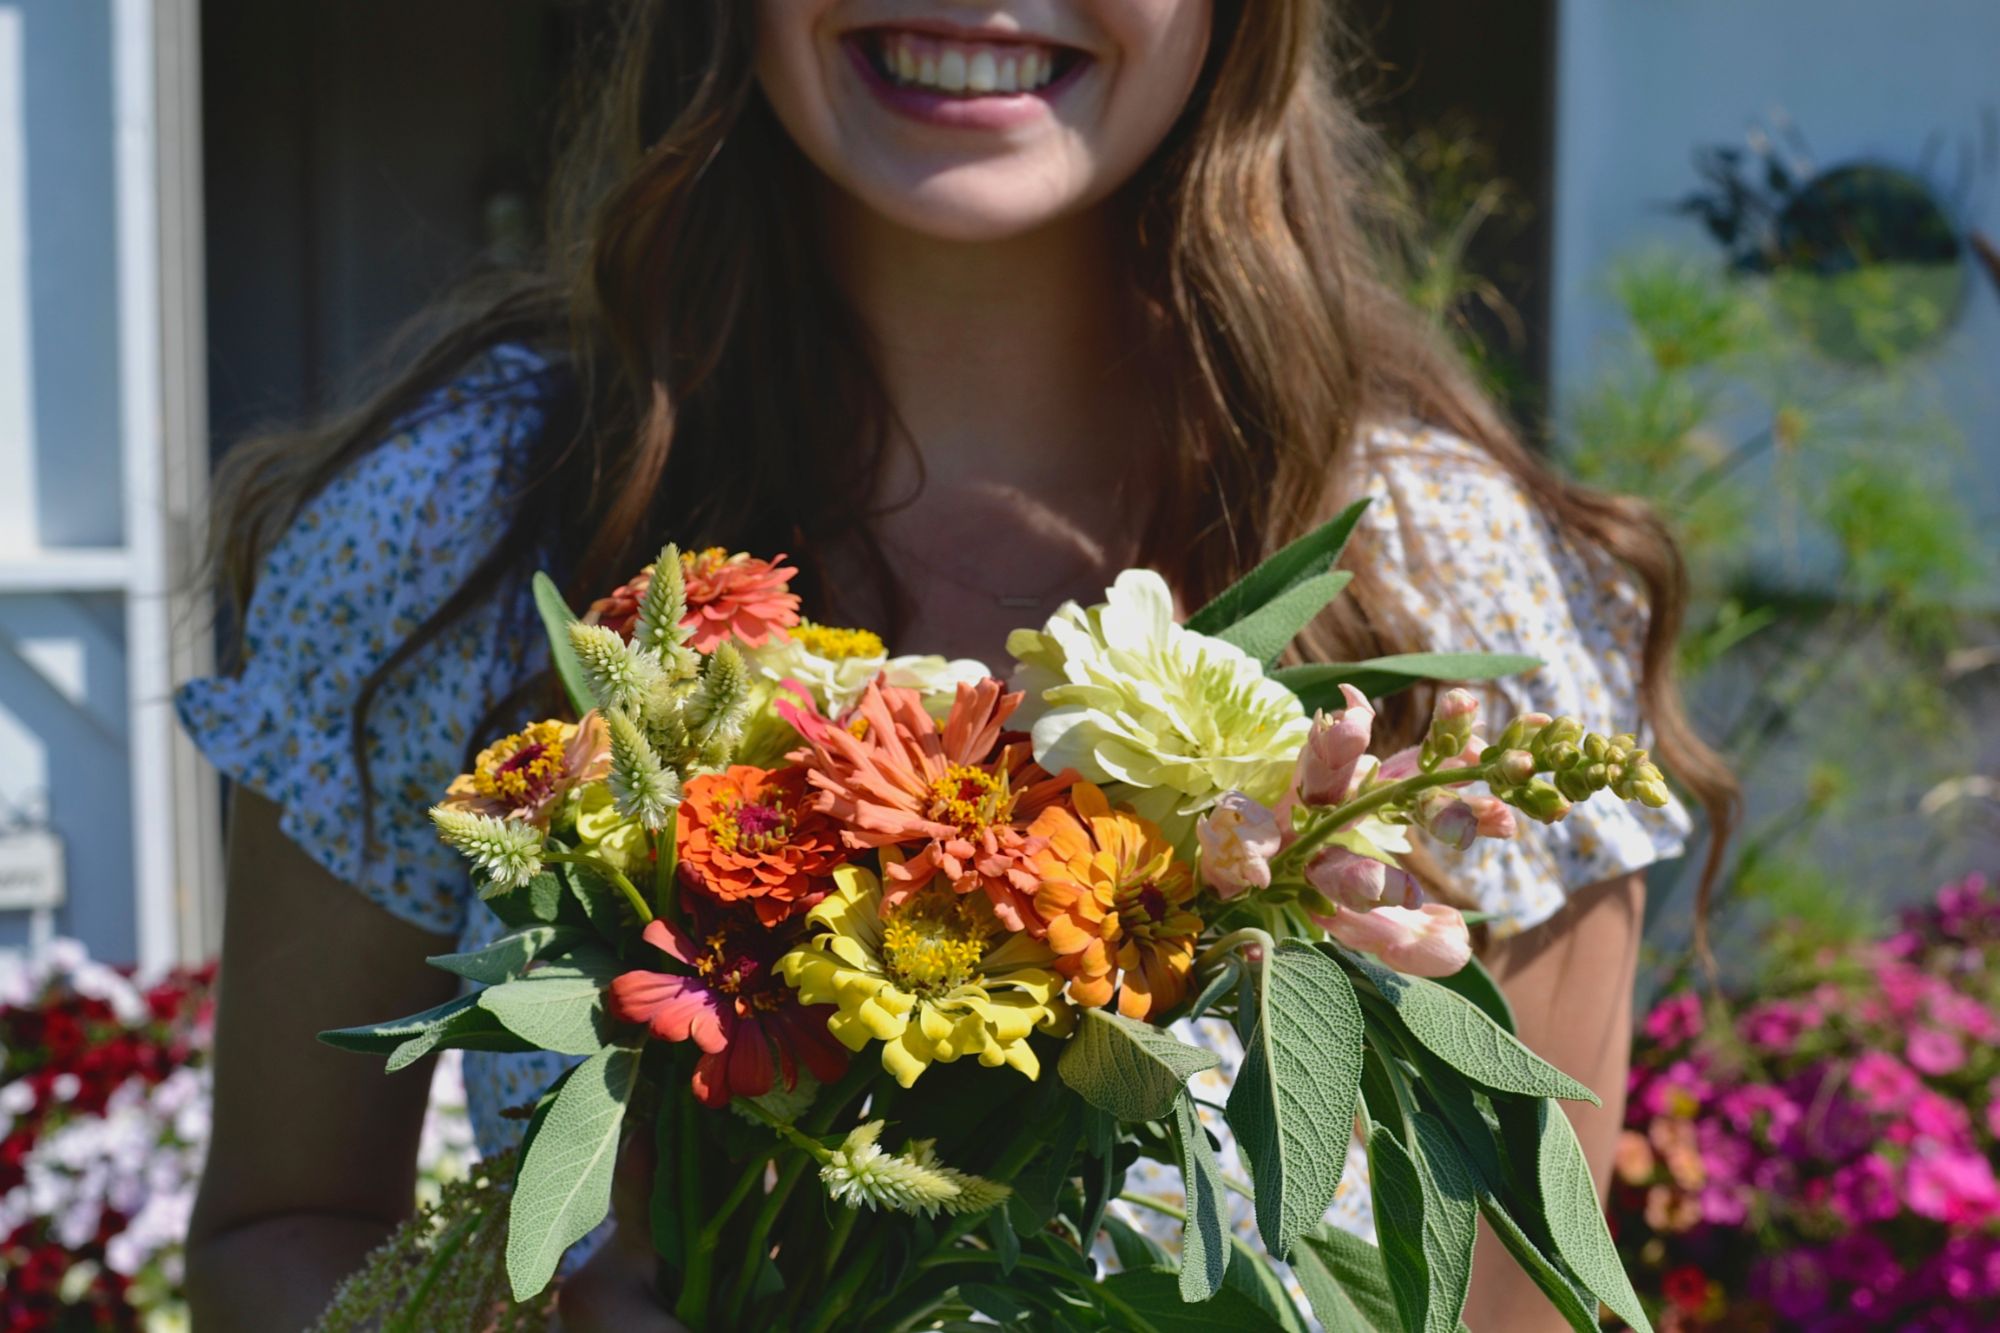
<point>1570,982</point>
<point>313,1156</point>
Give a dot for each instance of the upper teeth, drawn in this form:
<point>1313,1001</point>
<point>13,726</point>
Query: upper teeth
<point>965,67</point>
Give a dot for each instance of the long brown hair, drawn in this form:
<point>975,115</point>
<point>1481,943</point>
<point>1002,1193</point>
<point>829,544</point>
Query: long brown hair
<point>718,387</point>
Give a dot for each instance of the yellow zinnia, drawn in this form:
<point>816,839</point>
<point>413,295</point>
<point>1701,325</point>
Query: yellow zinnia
<point>935,978</point>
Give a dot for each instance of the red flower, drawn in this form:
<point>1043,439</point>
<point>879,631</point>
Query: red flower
<point>1686,1288</point>
<point>733,1006</point>
<point>753,835</point>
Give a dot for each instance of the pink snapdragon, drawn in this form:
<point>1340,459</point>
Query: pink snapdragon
<point>1428,941</point>
<point>1358,883</point>
<point>1333,753</point>
<point>1238,839</point>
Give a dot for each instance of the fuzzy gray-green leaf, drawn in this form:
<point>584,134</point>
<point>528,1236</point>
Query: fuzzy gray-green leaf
<point>1133,1070</point>
<point>1576,1218</point>
<point>1265,633</point>
<point>1205,1238</point>
<point>556,617</point>
<point>1460,1033</point>
<point>564,1186</point>
<point>1293,1104</point>
<point>508,956</point>
<point>558,1006</point>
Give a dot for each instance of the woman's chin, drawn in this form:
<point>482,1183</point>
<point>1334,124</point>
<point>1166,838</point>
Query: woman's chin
<point>972,204</point>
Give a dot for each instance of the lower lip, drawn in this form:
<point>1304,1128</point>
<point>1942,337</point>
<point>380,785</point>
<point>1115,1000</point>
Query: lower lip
<point>992,111</point>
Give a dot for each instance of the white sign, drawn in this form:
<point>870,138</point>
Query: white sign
<point>31,871</point>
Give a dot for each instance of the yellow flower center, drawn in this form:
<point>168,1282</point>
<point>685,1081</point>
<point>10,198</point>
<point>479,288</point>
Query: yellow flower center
<point>520,769</point>
<point>694,564</point>
<point>933,943</point>
<point>837,644</point>
<point>971,798</point>
<point>745,826</point>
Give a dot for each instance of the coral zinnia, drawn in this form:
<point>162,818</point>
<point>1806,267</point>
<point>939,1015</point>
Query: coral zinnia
<point>893,776</point>
<point>728,597</point>
<point>526,775</point>
<point>733,1007</point>
<point>753,834</point>
<point>1115,898</point>
<point>932,980</point>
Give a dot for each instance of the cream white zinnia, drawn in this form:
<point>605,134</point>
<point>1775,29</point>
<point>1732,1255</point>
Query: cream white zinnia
<point>1125,694</point>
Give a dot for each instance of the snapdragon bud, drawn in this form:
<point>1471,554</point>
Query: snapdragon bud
<point>1515,767</point>
<point>1334,750</point>
<point>1522,730</point>
<point>1495,819</point>
<point>1238,839</point>
<point>1447,818</point>
<point>1540,801</point>
<point>1451,727</point>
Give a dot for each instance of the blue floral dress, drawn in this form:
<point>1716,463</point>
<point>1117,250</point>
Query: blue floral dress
<point>381,548</point>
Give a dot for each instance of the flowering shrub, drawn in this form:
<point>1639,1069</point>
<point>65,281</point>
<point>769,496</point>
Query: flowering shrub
<point>1820,1155</point>
<point>103,1125</point>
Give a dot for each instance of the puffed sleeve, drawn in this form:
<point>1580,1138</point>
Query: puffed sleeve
<point>365,563</point>
<point>1477,567</point>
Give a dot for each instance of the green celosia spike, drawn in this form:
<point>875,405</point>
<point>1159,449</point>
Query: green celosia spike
<point>975,1194</point>
<point>641,785</point>
<point>716,705</point>
<point>861,1175</point>
<point>620,675</point>
<point>507,853</point>
<point>664,605</point>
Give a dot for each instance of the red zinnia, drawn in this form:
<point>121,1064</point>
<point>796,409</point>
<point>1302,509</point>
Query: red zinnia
<point>735,1007</point>
<point>728,597</point>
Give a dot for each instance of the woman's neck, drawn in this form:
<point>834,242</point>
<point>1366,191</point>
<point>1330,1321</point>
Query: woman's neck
<point>1010,362</point>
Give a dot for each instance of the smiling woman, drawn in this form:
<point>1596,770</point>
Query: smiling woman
<point>821,282</point>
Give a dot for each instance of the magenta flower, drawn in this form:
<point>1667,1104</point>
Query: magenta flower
<point>1865,1191</point>
<point>1882,1082</point>
<point>1952,1186</point>
<point>1675,1020</point>
<point>1793,1283</point>
<point>1934,1052</point>
<point>1774,1026</point>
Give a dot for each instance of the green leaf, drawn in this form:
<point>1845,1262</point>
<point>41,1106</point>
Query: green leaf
<point>1446,1094</point>
<point>1133,1070</point>
<point>1578,1308</point>
<point>1251,1275</point>
<point>600,903</point>
<point>1318,683</point>
<point>556,619</point>
<point>1134,1248</point>
<point>1038,1186</point>
<point>1265,633</point>
<point>456,1022</point>
<point>1576,1218</point>
<point>1461,1034</point>
<point>508,956</point>
<point>1205,1237</point>
<point>558,1006</point>
<point>1451,1221</point>
<point>1149,1301</point>
<point>564,1186</point>
<point>1217,987</point>
<point>1475,983</point>
<point>1345,1282</point>
<point>1399,1228</point>
<point>1314,553</point>
<point>995,1303</point>
<point>1293,1103</point>
<point>1006,1240</point>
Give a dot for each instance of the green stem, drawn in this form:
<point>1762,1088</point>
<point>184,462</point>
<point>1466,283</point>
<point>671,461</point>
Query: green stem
<point>1033,1264</point>
<point>755,1247</point>
<point>843,1227</point>
<point>1236,939</point>
<point>1341,816</point>
<point>811,1147</point>
<point>1156,1204</point>
<point>447,1250</point>
<point>611,873</point>
<point>666,860</point>
<point>841,1294</point>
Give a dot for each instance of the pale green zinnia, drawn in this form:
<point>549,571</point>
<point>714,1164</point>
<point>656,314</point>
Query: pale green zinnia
<point>1127,695</point>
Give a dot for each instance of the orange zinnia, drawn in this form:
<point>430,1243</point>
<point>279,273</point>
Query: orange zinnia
<point>754,834</point>
<point>959,794</point>
<point>1115,898</point>
<point>728,597</point>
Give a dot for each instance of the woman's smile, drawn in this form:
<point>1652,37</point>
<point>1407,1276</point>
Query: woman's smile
<point>964,78</point>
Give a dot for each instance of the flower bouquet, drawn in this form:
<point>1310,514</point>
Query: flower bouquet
<point>879,955</point>
<point>1819,1154</point>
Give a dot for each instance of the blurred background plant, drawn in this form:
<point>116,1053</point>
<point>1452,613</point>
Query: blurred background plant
<point>1772,400</point>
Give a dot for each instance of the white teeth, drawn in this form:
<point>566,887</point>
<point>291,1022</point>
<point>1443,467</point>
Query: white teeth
<point>983,74</point>
<point>974,70</point>
<point>951,71</point>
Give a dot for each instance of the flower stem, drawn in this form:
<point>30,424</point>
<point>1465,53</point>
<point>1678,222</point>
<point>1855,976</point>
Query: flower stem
<point>755,1249</point>
<point>811,1147</point>
<point>666,861</point>
<point>1330,822</point>
<point>1236,939</point>
<point>612,874</point>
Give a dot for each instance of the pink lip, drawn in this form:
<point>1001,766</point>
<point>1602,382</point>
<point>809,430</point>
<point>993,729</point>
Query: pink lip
<point>994,111</point>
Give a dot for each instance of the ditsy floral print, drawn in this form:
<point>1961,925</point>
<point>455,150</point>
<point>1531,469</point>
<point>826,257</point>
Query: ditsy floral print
<point>381,548</point>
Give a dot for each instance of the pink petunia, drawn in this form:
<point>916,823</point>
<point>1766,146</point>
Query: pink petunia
<point>1675,1020</point>
<point>1934,1052</point>
<point>1882,1082</point>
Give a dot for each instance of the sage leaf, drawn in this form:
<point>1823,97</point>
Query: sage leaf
<point>1345,1282</point>
<point>1292,1107</point>
<point>507,957</point>
<point>564,1186</point>
<point>1451,1221</point>
<point>1205,1237</point>
<point>556,619</point>
<point>1399,1228</point>
<point>560,1006</point>
<point>1131,1069</point>
<point>1314,553</point>
<point>1461,1034</point>
<point>1318,683</point>
<point>1576,1218</point>
<point>1265,633</point>
<point>1579,1308</point>
<point>1147,1301</point>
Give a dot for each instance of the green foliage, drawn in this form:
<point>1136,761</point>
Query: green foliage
<point>1311,556</point>
<point>1131,1069</point>
<point>1318,683</point>
<point>564,1188</point>
<point>1205,1239</point>
<point>556,619</point>
<point>508,956</point>
<point>1292,1106</point>
<point>559,1006</point>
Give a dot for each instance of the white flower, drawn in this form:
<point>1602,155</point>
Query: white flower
<point>837,664</point>
<point>1127,695</point>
